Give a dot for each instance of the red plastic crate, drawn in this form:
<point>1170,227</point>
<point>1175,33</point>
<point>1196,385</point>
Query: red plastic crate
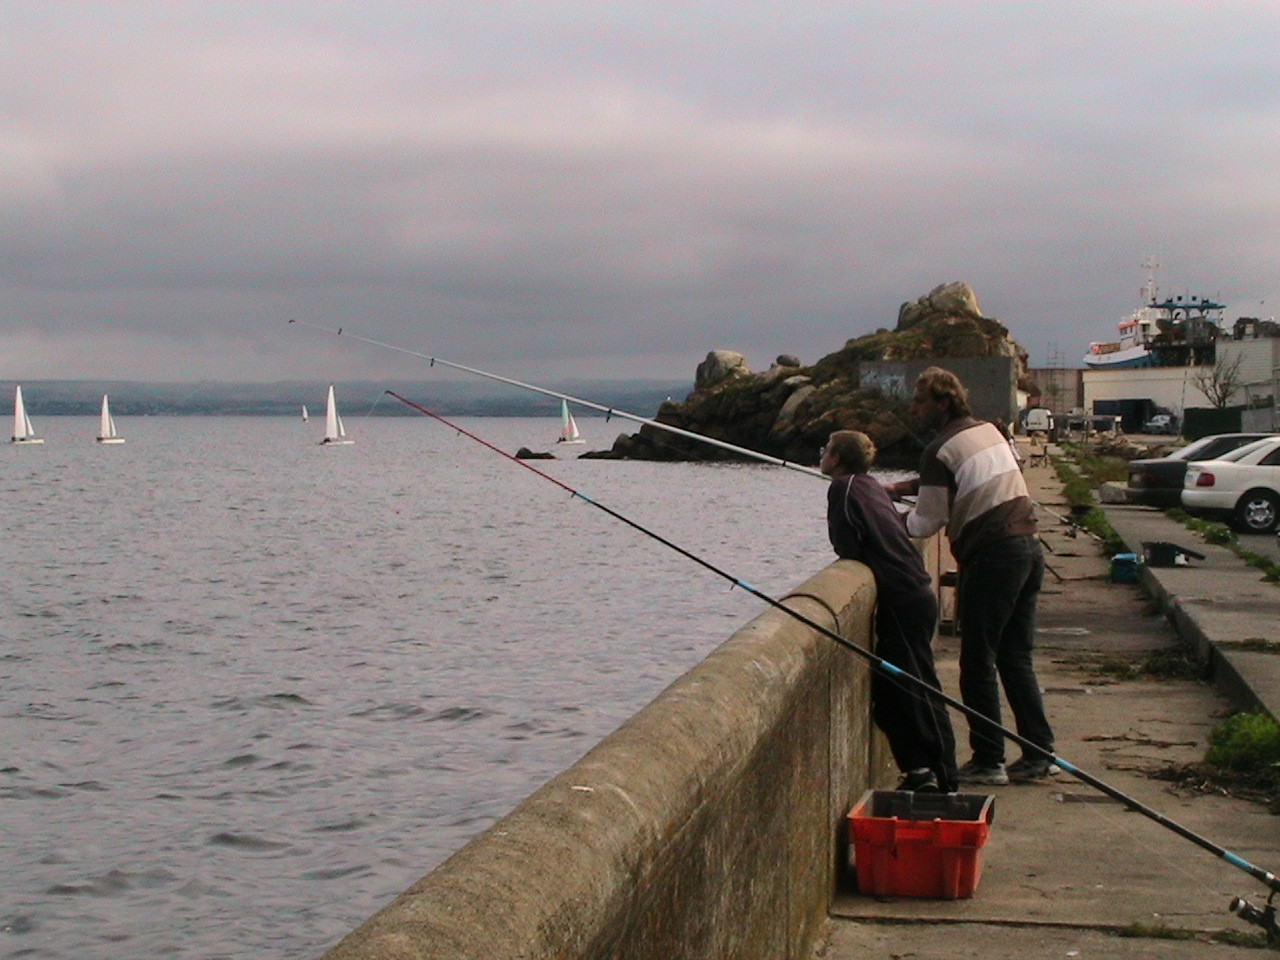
<point>920,844</point>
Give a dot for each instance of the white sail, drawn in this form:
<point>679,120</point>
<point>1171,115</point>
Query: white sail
<point>334,431</point>
<point>23,432</point>
<point>107,430</point>
<point>568,426</point>
<point>305,417</point>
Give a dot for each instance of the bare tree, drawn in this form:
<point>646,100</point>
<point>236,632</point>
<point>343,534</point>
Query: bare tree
<point>1220,382</point>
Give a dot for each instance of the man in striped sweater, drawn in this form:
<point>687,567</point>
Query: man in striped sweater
<point>971,484</point>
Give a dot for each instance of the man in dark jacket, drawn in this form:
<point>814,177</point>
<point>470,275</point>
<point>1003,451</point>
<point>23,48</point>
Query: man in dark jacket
<point>864,525</point>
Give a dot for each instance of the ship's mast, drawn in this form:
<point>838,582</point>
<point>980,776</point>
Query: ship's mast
<point>1151,265</point>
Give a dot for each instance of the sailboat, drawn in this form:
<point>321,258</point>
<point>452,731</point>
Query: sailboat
<point>107,431</point>
<point>568,426</point>
<point>334,431</point>
<point>23,432</point>
<point>305,416</point>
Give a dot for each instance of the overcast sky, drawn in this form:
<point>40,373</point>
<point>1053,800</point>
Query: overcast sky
<point>580,189</point>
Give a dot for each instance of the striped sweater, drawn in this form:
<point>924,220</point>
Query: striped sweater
<point>971,483</point>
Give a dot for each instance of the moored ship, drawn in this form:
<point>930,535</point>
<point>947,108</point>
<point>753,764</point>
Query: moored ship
<point>1174,332</point>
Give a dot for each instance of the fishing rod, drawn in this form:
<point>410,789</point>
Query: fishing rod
<point>1265,917</point>
<point>609,412</point>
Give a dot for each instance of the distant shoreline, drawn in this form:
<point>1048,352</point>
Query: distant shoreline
<point>81,398</point>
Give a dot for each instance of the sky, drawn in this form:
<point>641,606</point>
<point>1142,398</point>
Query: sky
<point>552,190</point>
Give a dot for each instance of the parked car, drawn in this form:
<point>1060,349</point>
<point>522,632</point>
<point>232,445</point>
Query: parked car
<point>1161,423</point>
<point>1159,482</point>
<point>1243,485</point>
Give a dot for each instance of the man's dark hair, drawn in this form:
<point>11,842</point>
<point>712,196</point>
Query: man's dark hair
<point>945,387</point>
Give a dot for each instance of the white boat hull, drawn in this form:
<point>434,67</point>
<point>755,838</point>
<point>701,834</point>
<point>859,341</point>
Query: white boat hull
<point>1127,359</point>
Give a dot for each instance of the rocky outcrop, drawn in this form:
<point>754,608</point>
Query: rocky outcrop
<point>720,367</point>
<point>789,410</point>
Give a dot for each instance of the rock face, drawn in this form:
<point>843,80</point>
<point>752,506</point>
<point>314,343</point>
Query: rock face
<point>789,410</point>
<point>720,367</point>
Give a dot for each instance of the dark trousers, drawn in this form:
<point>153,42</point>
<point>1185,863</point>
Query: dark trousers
<point>916,725</point>
<point>996,605</point>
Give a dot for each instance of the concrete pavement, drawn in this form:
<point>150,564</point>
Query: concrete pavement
<point>1069,872</point>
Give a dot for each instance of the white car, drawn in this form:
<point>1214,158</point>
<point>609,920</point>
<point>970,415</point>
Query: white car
<point>1243,484</point>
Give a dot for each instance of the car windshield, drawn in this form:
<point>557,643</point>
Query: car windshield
<point>1240,452</point>
<point>1214,447</point>
<point>1191,449</point>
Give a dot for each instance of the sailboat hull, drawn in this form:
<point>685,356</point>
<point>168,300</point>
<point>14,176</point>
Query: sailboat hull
<point>110,439</point>
<point>27,441</point>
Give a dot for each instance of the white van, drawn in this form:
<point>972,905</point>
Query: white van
<point>1038,420</point>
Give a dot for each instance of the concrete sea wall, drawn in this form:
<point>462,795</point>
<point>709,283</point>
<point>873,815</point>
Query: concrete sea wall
<point>710,824</point>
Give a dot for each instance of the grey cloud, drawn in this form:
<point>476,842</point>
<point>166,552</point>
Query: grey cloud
<point>536,182</point>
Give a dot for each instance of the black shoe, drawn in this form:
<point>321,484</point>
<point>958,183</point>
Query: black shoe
<point>920,781</point>
<point>1030,768</point>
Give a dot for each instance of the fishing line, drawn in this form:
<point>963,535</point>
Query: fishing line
<point>1269,879</point>
<point>609,412</point>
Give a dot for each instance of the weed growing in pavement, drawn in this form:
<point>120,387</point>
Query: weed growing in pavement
<point>1169,663</point>
<point>1095,521</point>
<point>1117,668</point>
<point>1080,477</point>
<point>1235,938</point>
<point>1211,531</point>
<point>1243,760</point>
<point>1245,741</point>
<point>1099,468</point>
<point>1155,931</point>
<point>1224,536</point>
<point>1253,644</point>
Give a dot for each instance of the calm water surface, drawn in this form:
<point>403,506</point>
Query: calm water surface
<point>252,688</point>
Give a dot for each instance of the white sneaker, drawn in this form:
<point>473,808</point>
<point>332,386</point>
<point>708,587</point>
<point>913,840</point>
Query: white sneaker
<point>995,776</point>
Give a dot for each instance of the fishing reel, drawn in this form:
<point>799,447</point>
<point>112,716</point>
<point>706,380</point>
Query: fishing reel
<point>1264,917</point>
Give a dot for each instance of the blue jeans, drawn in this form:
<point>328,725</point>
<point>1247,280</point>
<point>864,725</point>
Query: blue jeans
<point>996,606</point>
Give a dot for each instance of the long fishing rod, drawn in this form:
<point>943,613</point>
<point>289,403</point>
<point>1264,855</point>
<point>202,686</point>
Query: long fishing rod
<point>609,412</point>
<point>1243,908</point>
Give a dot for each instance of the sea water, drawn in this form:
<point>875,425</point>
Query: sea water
<point>251,688</point>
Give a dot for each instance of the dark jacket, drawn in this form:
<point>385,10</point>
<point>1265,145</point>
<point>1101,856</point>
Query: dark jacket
<point>864,525</point>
